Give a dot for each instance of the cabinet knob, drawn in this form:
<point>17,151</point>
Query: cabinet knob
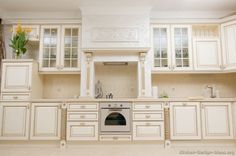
<point>148,124</point>
<point>115,138</point>
<point>147,116</point>
<point>82,116</point>
<point>147,106</point>
<point>184,104</point>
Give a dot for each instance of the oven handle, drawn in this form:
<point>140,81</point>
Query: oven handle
<point>115,109</point>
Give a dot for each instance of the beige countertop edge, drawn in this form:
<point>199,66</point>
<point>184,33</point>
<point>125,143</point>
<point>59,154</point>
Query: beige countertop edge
<point>127,100</point>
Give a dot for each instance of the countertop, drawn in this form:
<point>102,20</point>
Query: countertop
<point>129,100</point>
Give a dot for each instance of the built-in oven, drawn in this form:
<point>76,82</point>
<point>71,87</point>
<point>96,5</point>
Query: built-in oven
<point>115,117</point>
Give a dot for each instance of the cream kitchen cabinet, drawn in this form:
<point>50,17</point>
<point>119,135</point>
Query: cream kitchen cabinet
<point>14,121</point>
<point>148,130</point>
<point>82,121</point>
<point>33,35</point>
<point>217,121</point>
<point>185,121</point>
<point>60,48</point>
<point>45,121</point>
<point>181,39</point>
<point>161,47</point>
<point>207,54</point>
<point>20,80</point>
<point>228,32</point>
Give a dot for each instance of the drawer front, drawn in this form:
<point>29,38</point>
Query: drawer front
<point>75,116</point>
<point>83,107</point>
<point>148,116</point>
<point>148,106</point>
<point>148,131</point>
<point>15,97</point>
<point>115,137</point>
<point>82,131</point>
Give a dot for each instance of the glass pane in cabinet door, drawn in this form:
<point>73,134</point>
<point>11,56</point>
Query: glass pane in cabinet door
<point>178,62</point>
<point>67,63</point>
<point>45,63</point>
<point>164,53</point>
<point>46,32</point>
<point>74,63</point>
<point>52,63</point>
<point>67,41</point>
<point>177,32</point>
<point>164,63</point>
<point>46,53</point>
<point>67,53</point>
<point>157,63</point>
<point>178,53</point>
<point>185,42</point>
<point>54,32</point>
<point>163,42</point>
<point>185,53</point>
<point>53,42</point>
<point>75,32</point>
<point>46,41</point>
<point>178,42</point>
<point>67,32</point>
<point>74,53</point>
<point>156,53</point>
<point>74,41</point>
<point>185,31</point>
<point>53,53</point>
<point>186,62</point>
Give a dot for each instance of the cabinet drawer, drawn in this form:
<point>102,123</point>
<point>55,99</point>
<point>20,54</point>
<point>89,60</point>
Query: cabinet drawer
<point>15,96</point>
<point>83,107</point>
<point>148,106</point>
<point>115,137</point>
<point>148,130</point>
<point>148,116</point>
<point>74,116</point>
<point>82,131</point>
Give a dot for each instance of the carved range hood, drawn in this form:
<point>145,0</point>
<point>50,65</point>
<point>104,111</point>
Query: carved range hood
<point>115,29</point>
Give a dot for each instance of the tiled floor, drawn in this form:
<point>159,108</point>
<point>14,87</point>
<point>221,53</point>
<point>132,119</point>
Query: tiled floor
<point>113,150</point>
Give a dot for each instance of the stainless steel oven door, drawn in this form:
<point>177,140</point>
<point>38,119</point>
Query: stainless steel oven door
<point>115,120</point>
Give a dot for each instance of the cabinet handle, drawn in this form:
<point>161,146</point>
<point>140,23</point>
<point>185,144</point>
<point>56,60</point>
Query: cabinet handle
<point>82,107</point>
<point>147,116</point>
<point>15,97</point>
<point>147,106</point>
<point>82,116</point>
<point>184,104</point>
<point>115,138</point>
<point>147,124</point>
<point>82,124</point>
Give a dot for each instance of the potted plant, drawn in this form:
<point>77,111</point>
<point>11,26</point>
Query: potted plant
<point>19,41</point>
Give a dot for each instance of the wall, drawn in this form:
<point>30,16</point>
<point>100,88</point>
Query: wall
<point>61,86</point>
<point>185,85</point>
<point>121,81</point>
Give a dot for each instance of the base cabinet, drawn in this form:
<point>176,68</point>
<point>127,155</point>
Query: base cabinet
<point>82,131</point>
<point>45,121</point>
<point>14,121</point>
<point>148,131</point>
<point>217,122</point>
<point>185,121</point>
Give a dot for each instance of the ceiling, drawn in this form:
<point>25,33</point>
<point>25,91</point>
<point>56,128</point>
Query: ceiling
<point>156,5</point>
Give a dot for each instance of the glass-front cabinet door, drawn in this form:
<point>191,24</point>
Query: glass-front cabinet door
<point>70,47</point>
<point>181,47</point>
<point>49,48</point>
<point>161,47</point>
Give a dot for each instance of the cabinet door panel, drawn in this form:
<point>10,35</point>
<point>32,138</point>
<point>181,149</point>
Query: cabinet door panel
<point>185,121</point>
<point>217,121</point>
<point>207,54</point>
<point>20,83</point>
<point>148,131</point>
<point>45,122</point>
<point>14,123</point>
<point>82,131</point>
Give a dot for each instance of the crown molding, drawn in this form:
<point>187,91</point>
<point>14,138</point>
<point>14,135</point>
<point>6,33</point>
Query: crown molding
<point>42,21</point>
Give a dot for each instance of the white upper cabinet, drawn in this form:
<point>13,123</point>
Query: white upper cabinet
<point>207,54</point>
<point>33,35</point>
<point>49,48</point>
<point>161,47</point>
<point>181,37</point>
<point>21,83</point>
<point>14,121</point>
<point>185,121</point>
<point>59,48</point>
<point>217,120</point>
<point>228,31</point>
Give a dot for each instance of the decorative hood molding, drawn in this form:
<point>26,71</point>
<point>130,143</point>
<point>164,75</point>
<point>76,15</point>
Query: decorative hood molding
<point>115,28</point>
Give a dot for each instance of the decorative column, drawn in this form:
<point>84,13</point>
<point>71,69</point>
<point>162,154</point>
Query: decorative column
<point>142,84</point>
<point>88,72</point>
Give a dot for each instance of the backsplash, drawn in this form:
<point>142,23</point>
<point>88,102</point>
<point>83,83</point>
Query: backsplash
<point>186,85</point>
